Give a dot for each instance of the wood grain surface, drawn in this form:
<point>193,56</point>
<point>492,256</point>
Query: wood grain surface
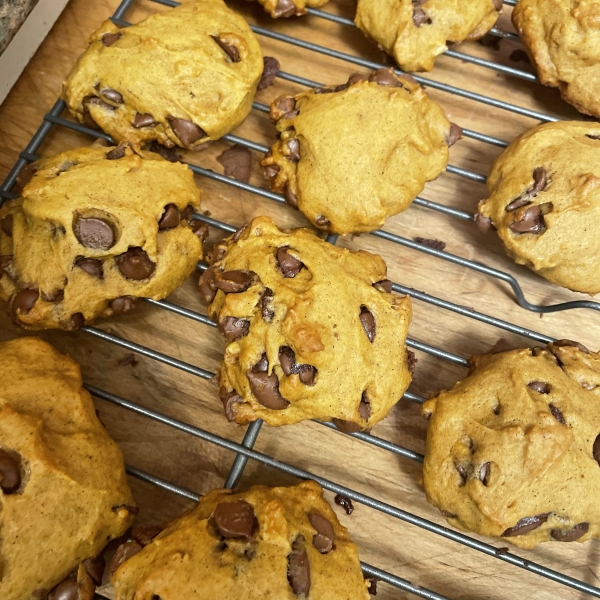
<point>418,556</point>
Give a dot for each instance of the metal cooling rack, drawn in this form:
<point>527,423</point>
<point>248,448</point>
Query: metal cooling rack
<point>244,451</point>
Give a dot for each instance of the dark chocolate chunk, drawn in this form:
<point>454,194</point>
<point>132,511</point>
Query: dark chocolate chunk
<point>135,264</point>
<point>385,285</point>
<point>108,39</point>
<point>372,589</point>
<point>265,388</point>
<point>24,301</point>
<point>235,519</point>
<point>186,131</point>
<point>298,571</point>
<point>270,70</point>
<point>325,537</point>
<point>233,328</point>
<point>229,400</point>
<point>10,473</point>
<point>289,266</point>
<point>122,304</point>
<point>77,321</point>
<point>235,281</point>
<point>170,217</point>
<point>237,162</point>
<point>144,120</point>
<point>525,525</point>
<point>368,322</point>
<point>24,177</point>
<point>233,54</point>
<point>200,229</point>
<point>124,552</point>
<point>262,366</point>
<point>93,232</point>
<point>287,359</point>
<point>92,266</point>
<point>345,503</point>
<point>112,95</point>
<point>570,535</point>
<point>540,386</point>
<point>118,152</point>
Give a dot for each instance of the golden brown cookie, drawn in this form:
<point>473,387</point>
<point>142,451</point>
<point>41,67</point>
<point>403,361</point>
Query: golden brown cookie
<point>283,543</point>
<point>513,450</point>
<point>544,200</point>
<point>289,8</point>
<point>562,39</point>
<point>415,32</point>
<point>312,331</point>
<point>351,156</point>
<point>63,489</point>
<point>94,229</point>
<point>182,77</point>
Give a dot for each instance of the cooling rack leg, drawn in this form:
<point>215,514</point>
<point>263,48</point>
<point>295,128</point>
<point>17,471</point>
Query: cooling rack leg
<point>239,463</point>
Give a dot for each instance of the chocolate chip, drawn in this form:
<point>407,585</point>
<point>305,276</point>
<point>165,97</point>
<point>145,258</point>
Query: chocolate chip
<point>200,229</point>
<point>454,134</point>
<point>265,305</point>
<point>540,386</point>
<point>284,8</point>
<point>143,120</point>
<point>283,107</point>
<point>229,400</point>
<point>24,177</point>
<point>171,154</point>
<point>596,449</point>
<point>95,568</point>
<point>580,347</point>
<point>420,17</point>
<point>307,374</point>
<point>238,233</point>
<point>298,570</point>
<point>463,472</point>
<point>435,244</point>
<point>448,514</point>
<point>270,171</point>
<point>266,390</point>
<point>186,131</point>
<point>124,552</point>
<point>322,222</point>
<point>135,264</point>
<point>5,263</point>
<point>118,152</point>
<point>108,39</point>
<point>368,322</point>
<point>530,220</point>
<point>290,197</point>
<point>92,266</point>
<point>498,4</point>
<point>570,535</point>
<point>525,525</point>
<point>208,284</point>
<point>65,590</point>
<point>94,233</point>
<point>6,224</point>
<point>385,285</point>
<point>484,473</point>
<point>55,296</point>
<point>10,473</point>
<point>23,302</point>
<point>484,224</point>
<point>519,55</point>
<point>77,321</point>
<point>293,146</point>
<point>270,70</point>
<point>384,77</point>
<point>346,426</point>
<point>97,102</point>
<point>233,328</point>
<point>345,503</point>
<point>170,217</point>
<point>539,185</point>
<point>235,281</point>
<point>232,52</point>
<point>325,536</point>
<point>112,95</point>
<point>287,360</point>
<point>557,414</point>
<point>122,304</point>
<point>262,366</point>
<point>237,162</point>
<point>372,589</point>
<point>289,266</point>
<point>145,535</point>
<point>364,408</point>
<point>235,519</point>
<point>411,360</point>
<point>187,212</point>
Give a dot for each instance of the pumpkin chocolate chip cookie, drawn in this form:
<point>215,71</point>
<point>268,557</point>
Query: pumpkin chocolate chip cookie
<point>290,8</point>
<point>182,77</point>
<point>562,39</point>
<point>513,450</point>
<point>63,488</point>
<point>312,329</point>
<point>282,543</point>
<point>544,200</point>
<point>94,229</point>
<point>353,155</point>
<point>415,32</point>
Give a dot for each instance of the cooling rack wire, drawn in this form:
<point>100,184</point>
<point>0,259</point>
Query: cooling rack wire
<point>245,451</point>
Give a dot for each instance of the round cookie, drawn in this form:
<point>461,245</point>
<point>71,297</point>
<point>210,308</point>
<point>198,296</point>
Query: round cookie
<point>544,200</point>
<point>312,331</point>
<point>289,8</point>
<point>415,32</point>
<point>94,229</point>
<point>182,77</point>
<point>513,450</point>
<point>63,488</point>
<point>278,542</point>
<point>562,40</point>
<point>351,156</point>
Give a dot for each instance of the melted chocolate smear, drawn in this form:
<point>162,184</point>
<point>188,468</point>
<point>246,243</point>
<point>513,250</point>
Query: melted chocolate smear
<point>237,163</point>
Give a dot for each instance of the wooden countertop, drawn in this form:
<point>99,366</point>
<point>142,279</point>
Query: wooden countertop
<point>182,459</point>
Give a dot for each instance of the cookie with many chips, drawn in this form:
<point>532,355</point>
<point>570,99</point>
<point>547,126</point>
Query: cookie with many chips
<point>544,200</point>
<point>415,32</point>
<point>351,156</point>
<point>283,543</point>
<point>513,450</point>
<point>312,330</point>
<point>63,488</point>
<point>182,77</point>
<point>93,230</point>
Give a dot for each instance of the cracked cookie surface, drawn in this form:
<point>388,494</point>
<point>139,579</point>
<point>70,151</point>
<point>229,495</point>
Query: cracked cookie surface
<point>415,32</point>
<point>351,156</point>
<point>562,39</point>
<point>277,542</point>
<point>94,229</point>
<point>182,77</point>
<point>312,331</point>
<point>63,488</point>
<point>544,200</point>
<point>513,450</point>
